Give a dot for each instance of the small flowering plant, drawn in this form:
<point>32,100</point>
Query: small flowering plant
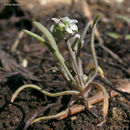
<point>81,84</point>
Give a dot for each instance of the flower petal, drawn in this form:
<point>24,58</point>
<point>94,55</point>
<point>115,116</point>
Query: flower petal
<point>56,20</point>
<point>68,29</point>
<point>73,21</point>
<point>74,27</point>
<point>52,28</point>
<point>66,19</point>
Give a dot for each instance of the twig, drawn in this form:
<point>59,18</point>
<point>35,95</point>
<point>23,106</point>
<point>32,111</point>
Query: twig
<point>73,110</point>
<point>95,99</point>
<point>42,110</point>
<point>115,56</point>
<point>16,43</point>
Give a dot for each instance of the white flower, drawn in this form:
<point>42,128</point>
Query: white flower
<point>65,26</point>
<point>71,28</point>
<point>67,20</point>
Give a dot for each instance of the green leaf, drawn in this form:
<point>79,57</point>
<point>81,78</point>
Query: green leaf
<point>72,92</point>
<point>127,37</point>
<point>51,40</point>
<point>82,38</point>
<point>113,35</point>
<point>47,34</point>
<point>40,39</point>
<point>124,18</point>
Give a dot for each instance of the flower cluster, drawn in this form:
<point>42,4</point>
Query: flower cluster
<point>64,27</point>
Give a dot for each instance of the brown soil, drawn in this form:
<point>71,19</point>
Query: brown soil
<point>13,75</point>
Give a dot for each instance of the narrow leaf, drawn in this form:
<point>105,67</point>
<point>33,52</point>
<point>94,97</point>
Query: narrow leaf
<point>113,35</point>
<point>127,37</point>
<point>47,34</point>
<point>40,39</point>
<point>51,40</point>
<point>82,38</point>
<point>71,92</point>
<point>126,19</point>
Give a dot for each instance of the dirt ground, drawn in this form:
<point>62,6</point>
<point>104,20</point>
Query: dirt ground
<point>39,59</point>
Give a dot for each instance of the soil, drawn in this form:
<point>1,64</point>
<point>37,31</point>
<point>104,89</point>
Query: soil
<point>40,60</point>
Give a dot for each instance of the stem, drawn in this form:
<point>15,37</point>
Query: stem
<point>80,44</point>
<point>68,72</point>
<point>75,65</point>
<point>80,66</point>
